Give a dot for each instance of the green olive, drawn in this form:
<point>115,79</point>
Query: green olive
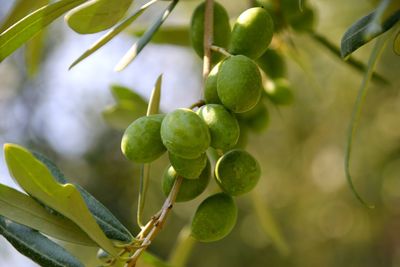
<point>190,188</point>
<point>256,119</point>
<point>210,87</point>
<point>239,84</point>
<point>273,8</point>
<point>237,172</point>
<point>279,92</point>
<point>214,218</point>
<point>244,135</point>
<point>252,33</point>
<point>303,22</point>
<point>223,125</point>
<point>221,30</point>
<point>141,141</point>
<point>272,63</point>
<point>185,134</point>
<point>299,16</point>
<point>188,168</point>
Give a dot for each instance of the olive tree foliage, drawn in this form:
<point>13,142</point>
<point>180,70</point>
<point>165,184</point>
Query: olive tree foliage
<point>243,68</point>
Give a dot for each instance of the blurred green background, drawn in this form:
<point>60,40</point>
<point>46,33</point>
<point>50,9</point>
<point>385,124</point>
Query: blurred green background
<point>302,198</point>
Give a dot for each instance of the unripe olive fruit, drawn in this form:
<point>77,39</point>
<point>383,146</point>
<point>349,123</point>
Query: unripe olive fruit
<point>185,134</point>
<point>221,30</point>
<point>141,141</point>
<point>300,16</point>
<point>223,125</point>
<point>252,33</point>
<point>256,119</point>
<point>188,168</point>
<point>237,172</point>
<point>214,218</point>
<point>244,135</point>
<point>303,21</point>
<point>239,84</point>
<point>210,86</point>
<point>190,188</point>
<point>279,92</point>
<point>273,64</point>
<point>273,8</point>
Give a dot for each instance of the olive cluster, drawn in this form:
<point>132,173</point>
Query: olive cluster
<point>233,93</point>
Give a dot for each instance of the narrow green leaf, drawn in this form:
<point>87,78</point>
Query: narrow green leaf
<point>20,9</point>
<point>110,225</point>
<point>36,246</point>
<point>359,33</point>
<point>355,64</point>
<point>155,98</point>
<point>22,209</point>
<point>356,114</point>
<point>183,248</point>
<point>143,41</point>
<point>37,181</point>
<point>396,44</point>
<point>97,15</point>
<point>20,32</point>
<point>169,34</point>
<point>112,33</point>
<point>269,225</point>
<point>153,108</point>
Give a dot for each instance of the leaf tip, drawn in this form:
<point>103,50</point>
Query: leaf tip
<point>8,147</point>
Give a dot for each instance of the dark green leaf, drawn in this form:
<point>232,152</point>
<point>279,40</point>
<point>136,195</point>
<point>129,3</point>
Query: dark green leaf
<point>110,225</point>
<point>97,15</point>
<point>112,33</point>
<point>36,246</point>
<point>55,171</point>
<point>23,209</point>
<point>168,34</point>
<point>33,176</point>
<point>359,33</point>
<point>15,36</point>
<point>143,41</point>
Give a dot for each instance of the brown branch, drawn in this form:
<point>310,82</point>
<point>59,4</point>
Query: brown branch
<point>208,37</point>
<point>220,50</point>
<point>158,223</point>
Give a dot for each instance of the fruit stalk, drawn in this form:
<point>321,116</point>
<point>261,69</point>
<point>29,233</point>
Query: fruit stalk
<point>157,222</point>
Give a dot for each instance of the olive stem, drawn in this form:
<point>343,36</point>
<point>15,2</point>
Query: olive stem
<point>197,104</point>
<point>159,221</point>
<point>220,50</point>
<point>208,37</point>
